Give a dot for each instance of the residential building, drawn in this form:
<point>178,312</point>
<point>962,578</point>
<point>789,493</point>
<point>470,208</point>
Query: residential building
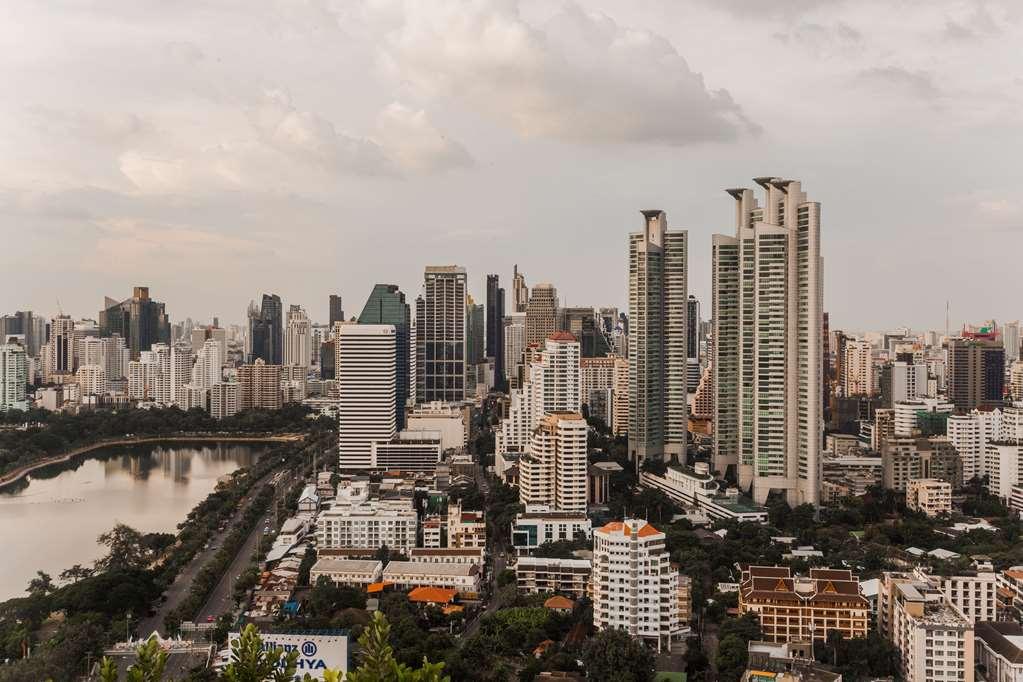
<point>1002,467</point>
<point>619,409</point>
<point>800,609</point>
<point>912,417</point>
<point>935,640</point>
<point>658,301</point>
<point>906,458</point>
<point>259,386</point>
<point>368,524</point>
<point>931,496</point>
<point>976,373</point>
<point>570,577</point>
<point>350,572</point>
<point>514,347</point>
<point>143,375</point>
<point>859,369</point>
<point>366,369</point>
<point>298,343</point>
<point>224,400</point>
<point>1016,381</point>
<point>208,368</point>
<point>13,377</point>
<point>541,313</point>
<point>596,384</point>
<point>139,320</point>
<point>970,435</point>
<point>440,336</point>
<point>999,651</point>
<point>693,367</point>
<point>466,528</point>
<point>62,345</point>
<point>463,577</point>
<point>444,555</point>
<point>495,328</point>
<point>696,487</point>
<point>92,380</point>
<point>539,524</point>
<point>634,588</point>
<point>553,472</point>
<point>768,361</point>
<point>909,381</point>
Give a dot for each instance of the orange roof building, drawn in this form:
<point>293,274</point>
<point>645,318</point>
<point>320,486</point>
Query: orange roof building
<point>432,595</point>
<point>559,603</point>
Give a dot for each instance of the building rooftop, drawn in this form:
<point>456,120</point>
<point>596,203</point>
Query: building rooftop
<point>428,568</point>
<point>339,565</point>
<point>1004,638</point>
<point>627,527</point>
<point>432,595</point>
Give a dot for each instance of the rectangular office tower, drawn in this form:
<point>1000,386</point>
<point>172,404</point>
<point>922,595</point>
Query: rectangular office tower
<point>367,376</point>
<point>658,297</point>
<point>767,309</point>
<point>440,336</point>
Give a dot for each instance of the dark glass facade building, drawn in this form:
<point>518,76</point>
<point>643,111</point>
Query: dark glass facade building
<point>386,305</point>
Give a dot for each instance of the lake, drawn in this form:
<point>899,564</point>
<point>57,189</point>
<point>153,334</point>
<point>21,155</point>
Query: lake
<point>50,521</point>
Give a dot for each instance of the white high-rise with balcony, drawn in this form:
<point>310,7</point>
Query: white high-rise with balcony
<point>208,368</point>
<point>634,588</point>
<point>970,435</point>
<point>366,374</point>
<point>13,377</point>
<point>658,305</point>
<point>767,312</point>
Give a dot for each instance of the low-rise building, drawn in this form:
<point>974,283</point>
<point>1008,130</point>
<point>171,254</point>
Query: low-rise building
<point>695,486</point>
<point>409,451</point>
<point>999,649</point>
<point>929,495</point>
<point>453,555</point>
<point>309,500</point>
<point>369,523</point>
<point>353,572</point>
<point>560,576</point>
<point>798,609</point>
<point>466,528</point>
<point>464,577</point>
<point>539,525</point>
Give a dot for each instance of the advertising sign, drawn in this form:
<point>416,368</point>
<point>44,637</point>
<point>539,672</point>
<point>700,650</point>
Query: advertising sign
<point>316,652</point>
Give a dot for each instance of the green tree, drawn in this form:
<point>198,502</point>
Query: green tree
<point>148,667</point>
<point>75,573</point>
<point>250,662</point>
<point>40,585</point>
<point>378,663</point>
<point>614,656</point>
<point>126,550</point>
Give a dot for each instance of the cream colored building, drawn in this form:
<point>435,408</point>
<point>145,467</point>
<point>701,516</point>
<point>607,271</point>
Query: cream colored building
<point>554,471</point>
<point>354,572</point>
<point>570,577</point>
<point>929,495</point>
<point>858,369</point>
<point>935,640</point>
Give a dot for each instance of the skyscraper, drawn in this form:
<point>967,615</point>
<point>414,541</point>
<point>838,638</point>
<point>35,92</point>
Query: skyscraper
<point>692,344</point>
<point>475,330</point>
<point>440,335</point>
<point>658,271</point>
<point>62,345</point>
<point>976,373</point>
<point>139,320</point>
<point>520,292</point>
<point>584,324</point>
<point>541,313</point>
<point>337,313</point>
<point>553,473</point>
<point>265,331</point>
<point>495,328</point>
<point>259,386</point>
<point>514,344</point>
<point>298,343</point>
<point>386,305</point>
<point>366,369</point>
<point>767,311</point>
<point>13,377</point>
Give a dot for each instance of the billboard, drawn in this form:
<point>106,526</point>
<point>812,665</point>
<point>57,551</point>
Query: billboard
<point>316,652</point>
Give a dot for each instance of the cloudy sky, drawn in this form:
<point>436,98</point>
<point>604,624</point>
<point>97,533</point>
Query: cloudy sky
<point>215,149</point>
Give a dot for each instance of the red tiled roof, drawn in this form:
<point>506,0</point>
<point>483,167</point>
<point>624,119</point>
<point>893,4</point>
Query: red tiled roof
<point>432,595</point>
<point>562,336</point>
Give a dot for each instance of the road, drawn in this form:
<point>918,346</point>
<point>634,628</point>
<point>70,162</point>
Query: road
<point>221,599</point>
<point>496,594</point>
<point>179,589</point>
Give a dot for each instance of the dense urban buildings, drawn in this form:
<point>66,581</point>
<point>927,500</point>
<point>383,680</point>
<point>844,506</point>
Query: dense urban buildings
<point>139,320</point>
<point>767,311</point>
<point>658,301</point>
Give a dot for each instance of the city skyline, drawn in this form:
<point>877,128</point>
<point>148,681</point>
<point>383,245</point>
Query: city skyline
<point>228,162</point>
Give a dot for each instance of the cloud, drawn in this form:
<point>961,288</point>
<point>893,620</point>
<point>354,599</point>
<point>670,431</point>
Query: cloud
<point>772,8</point>
<point>415,144</point>
<point>894,79</point>
<point>823,40</point>
<point>580,77</point>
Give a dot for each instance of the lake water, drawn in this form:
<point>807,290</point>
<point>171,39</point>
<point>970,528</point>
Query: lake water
<point>50,521</point>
